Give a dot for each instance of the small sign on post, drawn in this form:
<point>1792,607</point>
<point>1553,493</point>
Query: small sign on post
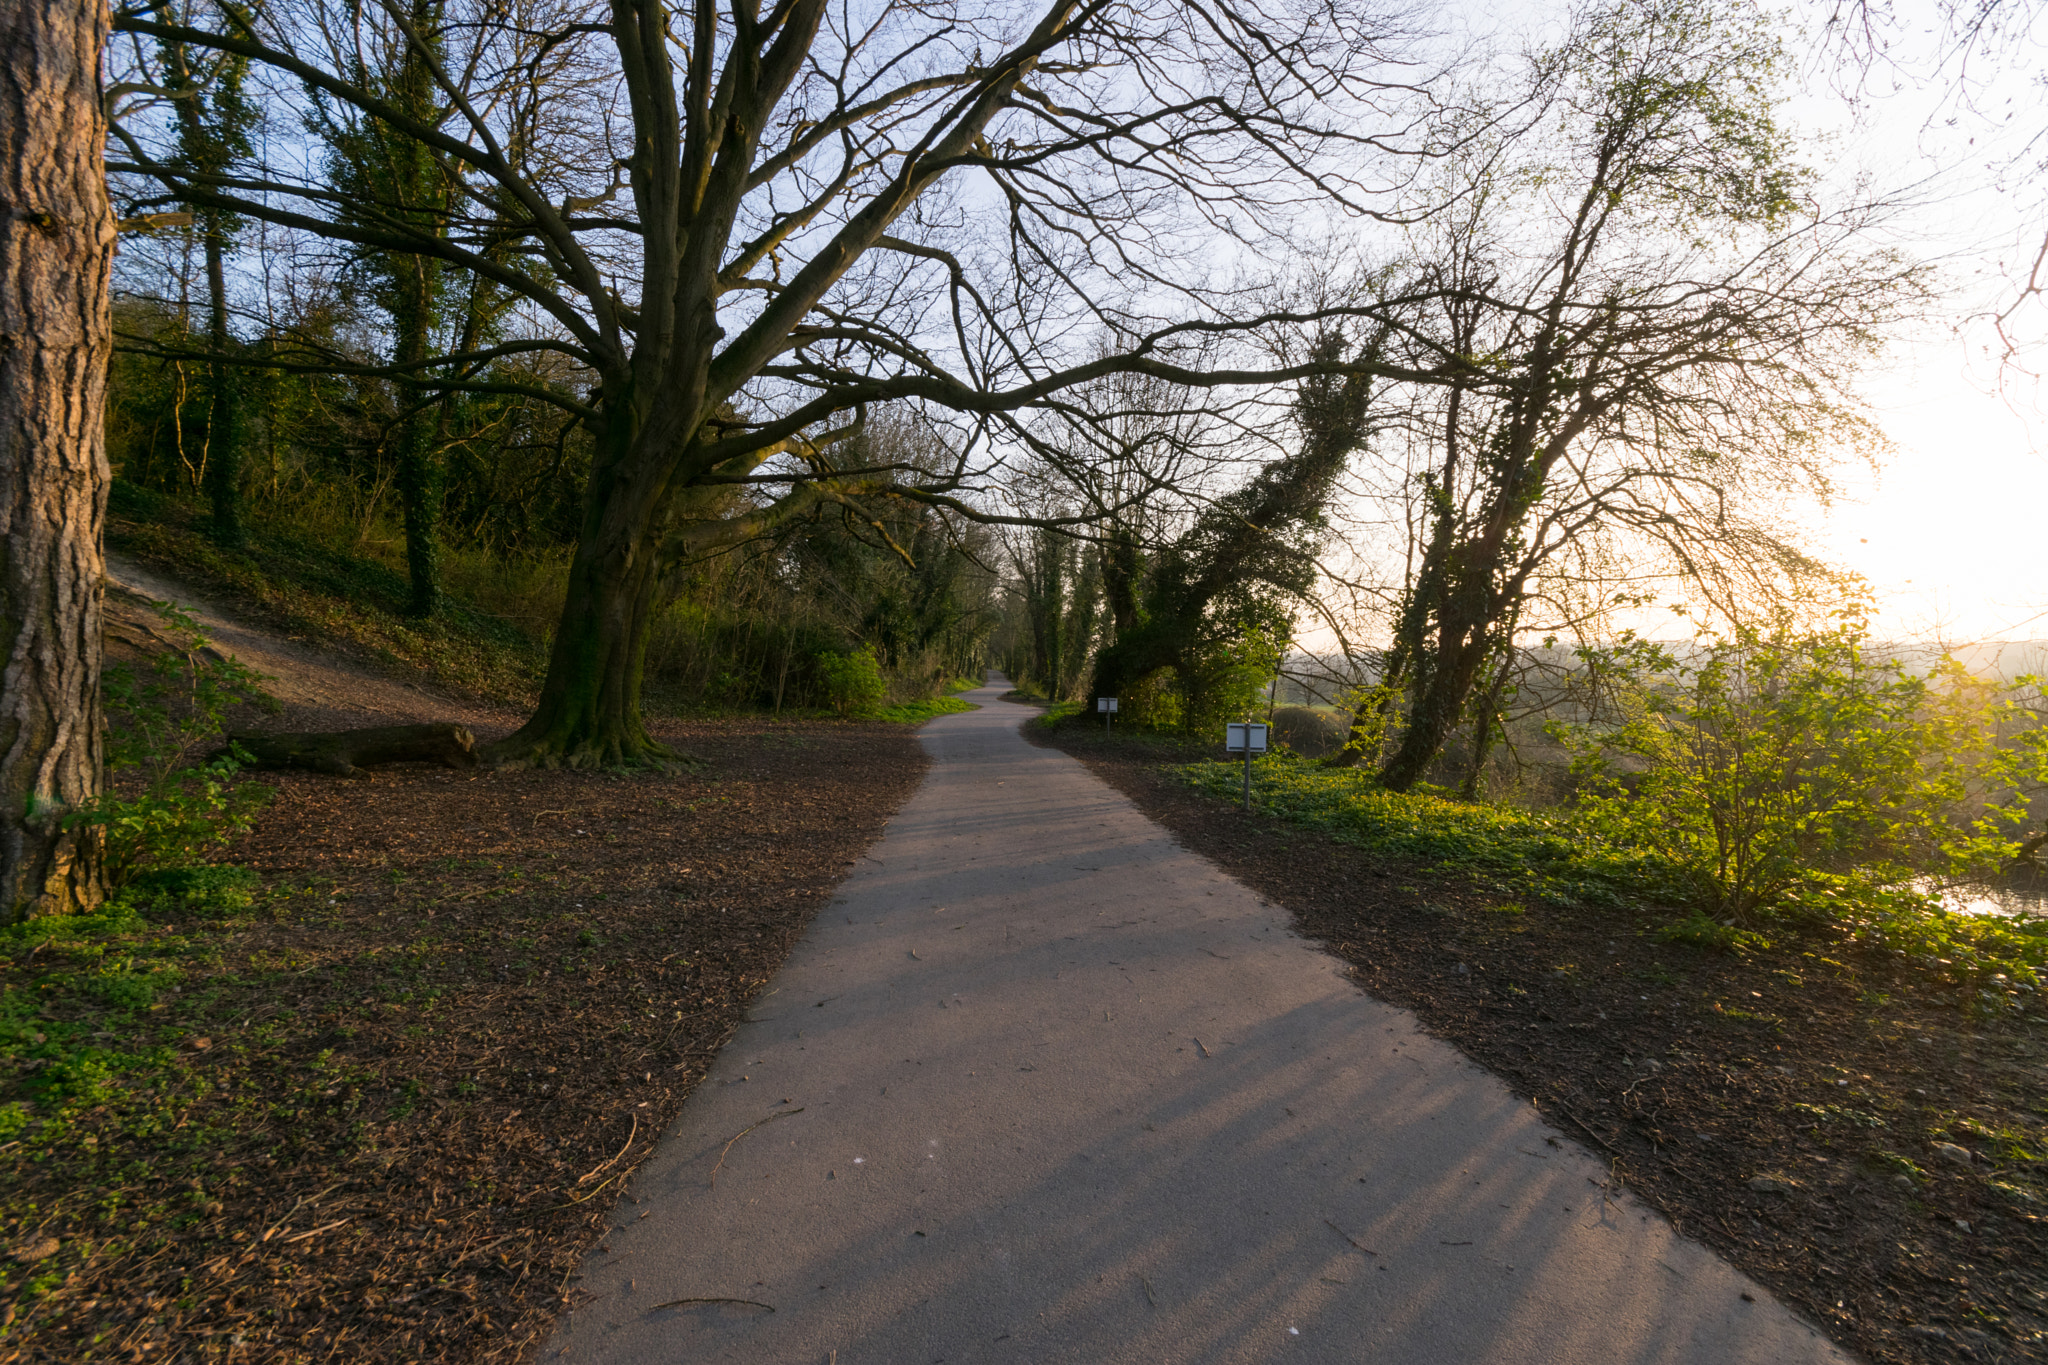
<point>1247,737</point>
<point>1107,706</point>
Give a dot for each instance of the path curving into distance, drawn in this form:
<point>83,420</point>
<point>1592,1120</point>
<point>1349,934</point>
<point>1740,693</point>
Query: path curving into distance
<point>1070,1094</point>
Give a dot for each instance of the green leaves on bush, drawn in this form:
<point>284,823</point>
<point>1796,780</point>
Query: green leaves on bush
<point>1588,858</point>
<point>159,718</point>
<point>207,891</point>
<point>1774,755</point>
<point>853,681</point>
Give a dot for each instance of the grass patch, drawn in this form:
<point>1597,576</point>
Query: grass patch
<point>918,712</point>
<point>1507,851</point>
<point>1552,857</point>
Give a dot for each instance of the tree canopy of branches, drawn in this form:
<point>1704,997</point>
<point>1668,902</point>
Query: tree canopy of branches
<point>744,229</point>
<point>1660,330</point>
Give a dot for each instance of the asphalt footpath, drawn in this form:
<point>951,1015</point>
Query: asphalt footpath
<point>1040,1085</point>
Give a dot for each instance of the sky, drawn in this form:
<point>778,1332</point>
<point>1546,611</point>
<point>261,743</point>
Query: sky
<point>1950,532</point>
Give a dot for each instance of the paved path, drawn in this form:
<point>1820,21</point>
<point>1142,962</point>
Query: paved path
<point>1057,1090</point>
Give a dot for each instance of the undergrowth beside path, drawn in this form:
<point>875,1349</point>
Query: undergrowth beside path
<point>304,586</point>
<point>1557,858</point>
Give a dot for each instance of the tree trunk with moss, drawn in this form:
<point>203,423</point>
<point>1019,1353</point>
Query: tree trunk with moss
<point>420,473</point>
<point>56,245</point>
<point>223,410</point>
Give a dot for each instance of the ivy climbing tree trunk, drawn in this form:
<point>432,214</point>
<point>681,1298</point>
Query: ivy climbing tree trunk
<point>420,472</point>
<point>56,246</point>
<point>223,410</point>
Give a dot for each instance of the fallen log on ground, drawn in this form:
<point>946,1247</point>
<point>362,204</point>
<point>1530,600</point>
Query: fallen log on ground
<point>345,753</point>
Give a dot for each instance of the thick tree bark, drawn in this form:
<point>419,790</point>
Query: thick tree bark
<point>589,710</point>
<point>588,715</point>
<point>56,244</point>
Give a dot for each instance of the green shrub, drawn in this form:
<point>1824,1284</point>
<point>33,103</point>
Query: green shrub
<point>204,891</point>
<point>1778,755</point>
<point>853,681</point>
<point>918,712</point>
<point>129,985</point>
<point>1573,857</point>
<point>1702,931</point>
<point>158,719</point>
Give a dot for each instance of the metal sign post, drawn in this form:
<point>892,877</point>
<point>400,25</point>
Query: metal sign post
<point>1107,706</point>
<point>1246,737</point>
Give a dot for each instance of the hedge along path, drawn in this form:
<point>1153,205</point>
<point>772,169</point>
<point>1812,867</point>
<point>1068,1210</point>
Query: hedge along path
<point>1068,1093</point>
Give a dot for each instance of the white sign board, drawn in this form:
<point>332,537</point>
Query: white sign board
<point>1244,737</point>
<point>1105,703</point>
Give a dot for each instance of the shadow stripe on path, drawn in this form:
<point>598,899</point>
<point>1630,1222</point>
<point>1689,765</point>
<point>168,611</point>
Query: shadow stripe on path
<point>1069,1094</point>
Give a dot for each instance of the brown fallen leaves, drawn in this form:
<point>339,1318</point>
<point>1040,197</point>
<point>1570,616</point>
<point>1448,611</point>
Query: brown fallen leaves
<point>415,1083</point>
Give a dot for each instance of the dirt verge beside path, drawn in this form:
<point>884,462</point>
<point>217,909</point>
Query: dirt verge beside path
<point>384,1116</point>
<point>1871,1154</point>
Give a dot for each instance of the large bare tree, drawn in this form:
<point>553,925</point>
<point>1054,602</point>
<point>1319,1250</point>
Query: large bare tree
<point>748,227</point>
<point>56,246</point>
<point>1666,328</point>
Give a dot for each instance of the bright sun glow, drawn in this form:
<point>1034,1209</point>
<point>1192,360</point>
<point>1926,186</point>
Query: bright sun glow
<point>1950,533</point>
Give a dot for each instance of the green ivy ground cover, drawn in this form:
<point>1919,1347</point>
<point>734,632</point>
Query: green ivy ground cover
<point>1557,857</point>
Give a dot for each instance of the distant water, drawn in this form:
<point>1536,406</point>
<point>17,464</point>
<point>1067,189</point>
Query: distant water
<point>2029,901</point>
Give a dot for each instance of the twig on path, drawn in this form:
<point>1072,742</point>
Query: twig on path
<point>329,1227</point>
<point>312,1199</point>
<point>1588,1130</point>
<point>1353,1240</point>
<point>614,1161</point>
<point>1203,1050</point>
<point>750,1303</point>
<point>778,1114</point>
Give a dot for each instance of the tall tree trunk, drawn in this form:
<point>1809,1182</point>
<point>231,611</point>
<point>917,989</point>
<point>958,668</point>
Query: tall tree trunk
<point>56,244</point>
<point>1437,700</point>
<point>1121,569</point>
<point>223,411</point>
<point>1486,716</point>
<point>589,710</point>
<point>420,474</point>
<point>588,715</point>
<point>415,299</point>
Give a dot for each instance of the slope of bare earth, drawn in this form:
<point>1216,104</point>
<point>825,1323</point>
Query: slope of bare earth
<point>320,689</point>
<point>383,1110</point>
